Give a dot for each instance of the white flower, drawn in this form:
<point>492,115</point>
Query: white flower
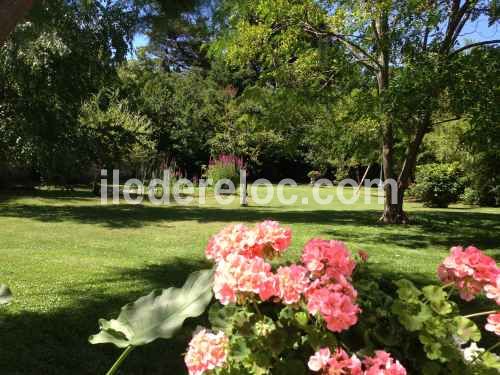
<point>472,352</point>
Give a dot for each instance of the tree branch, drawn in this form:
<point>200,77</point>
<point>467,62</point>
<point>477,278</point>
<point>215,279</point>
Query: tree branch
<point>456,14</point>
<point>448,120</point>
<point>359,52</point>
<point>472,45</point>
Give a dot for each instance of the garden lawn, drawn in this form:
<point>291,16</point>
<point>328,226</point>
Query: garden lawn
<point>70,261</point>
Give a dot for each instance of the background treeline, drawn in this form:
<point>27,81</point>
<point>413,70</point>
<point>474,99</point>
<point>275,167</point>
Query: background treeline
<point>228,77</point>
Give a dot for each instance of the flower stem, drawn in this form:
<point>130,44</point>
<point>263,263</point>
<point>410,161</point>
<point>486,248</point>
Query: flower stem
<point>445,286</point>
<point>259,314</point>
<point>481,313</point>
<point>493,347</point>
<point>120,360</point>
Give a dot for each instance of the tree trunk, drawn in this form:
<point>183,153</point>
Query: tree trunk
<point>11,13</point>
<point>393,211</point>
<point>393,192</point>
<point>393,208</point>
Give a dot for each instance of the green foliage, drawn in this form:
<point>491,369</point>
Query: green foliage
<point>183,109</point>
<point>225,167</point>
<point>436,321</point>
<point>470,196</point>
<point>157,315</point>
<point>266,341</point>
<point>313,176</point>
<point>5,294</point>
<point>472,140</point>
<point>438,185</point>
<point>114,134</point>
<point>64,53</point>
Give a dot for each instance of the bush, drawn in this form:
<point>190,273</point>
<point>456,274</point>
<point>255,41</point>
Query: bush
<point>438,185</point>
<point>225,167</point>
<point>470,196</point>
<point>483,175</point>
<point>314,176</point>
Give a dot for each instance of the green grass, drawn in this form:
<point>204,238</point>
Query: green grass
<point>70,261</point>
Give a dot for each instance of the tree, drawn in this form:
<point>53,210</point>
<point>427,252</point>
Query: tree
<point>407,49</point>
<point>11,13</point>
<point>184,108</point>
<point>50,65</point>
<point>114,134</point>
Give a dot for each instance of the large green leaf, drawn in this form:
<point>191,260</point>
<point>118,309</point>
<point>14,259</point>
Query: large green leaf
<point>159,314</point>
<point>5,294</point>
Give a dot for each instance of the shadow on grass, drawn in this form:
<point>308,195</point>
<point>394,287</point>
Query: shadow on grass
<point>122,216</point>
<point>430,227</point>
<point>56,342</point>
<point>8,195</point>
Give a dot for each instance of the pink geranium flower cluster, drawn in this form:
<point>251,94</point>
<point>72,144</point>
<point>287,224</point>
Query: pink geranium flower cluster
<point>206,352</point>
<point>327,259</point>
<point>331,294</point>
<point>336,305</point>
<point>337,363</point>
<point>493,323</point>
<point>241,271</point>
<point>292,283</point>
<point>340,363</point>
<point>266,239</point>
<point>383,364</point>
<point>493,290</point>
<point>322,282</point>
<point>471,271</point>
<point>238,276</point>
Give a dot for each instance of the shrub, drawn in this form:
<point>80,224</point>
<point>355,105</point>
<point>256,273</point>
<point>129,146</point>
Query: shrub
<point>328,313</point>
<point>470,196</point>
<point>438,185</point>
<point>225,167</point>
<point>313,176</point>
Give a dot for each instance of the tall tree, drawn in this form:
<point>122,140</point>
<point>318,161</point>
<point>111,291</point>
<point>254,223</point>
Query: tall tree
<point>409,48</point>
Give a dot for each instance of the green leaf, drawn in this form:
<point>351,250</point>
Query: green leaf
<point>467,329</point>
<point>438,299</point>
<point>432,347</point>
<point>490,360</point>
<point>239,349</point>
<point>5,294</point>
<point>411,315</point>
<point>159,314</point>
<point>407,291</point>
<point>286,314</point>
<point>302,318</point>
